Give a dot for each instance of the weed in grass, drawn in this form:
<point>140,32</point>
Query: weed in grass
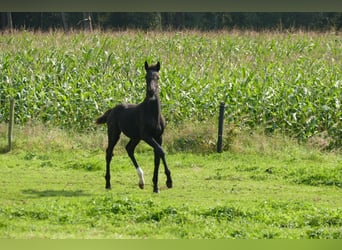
<point>225,213</point>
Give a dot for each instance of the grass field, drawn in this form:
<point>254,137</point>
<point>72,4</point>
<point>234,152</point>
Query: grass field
<point>280,175</point>
<point>263,188</point>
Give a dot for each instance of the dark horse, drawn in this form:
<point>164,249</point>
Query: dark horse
<point>138,122</point>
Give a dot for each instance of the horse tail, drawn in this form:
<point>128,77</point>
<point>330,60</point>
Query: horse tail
<point>103,119</point>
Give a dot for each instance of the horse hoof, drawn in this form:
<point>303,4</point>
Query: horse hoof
<point>141,185</point>
<point>108,187</point>
<point>156,190</point>
<point>169,184</point>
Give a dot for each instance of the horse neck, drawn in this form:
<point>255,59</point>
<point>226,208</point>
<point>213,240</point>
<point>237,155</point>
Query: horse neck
<point>153,105</point>
<point>153,102</point>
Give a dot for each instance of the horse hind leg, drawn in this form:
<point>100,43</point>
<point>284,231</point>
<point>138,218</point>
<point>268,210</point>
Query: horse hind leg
<point>130,147</point>
<point>113,137</point>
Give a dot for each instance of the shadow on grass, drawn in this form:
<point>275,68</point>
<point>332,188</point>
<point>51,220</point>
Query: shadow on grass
<point>53,193</point>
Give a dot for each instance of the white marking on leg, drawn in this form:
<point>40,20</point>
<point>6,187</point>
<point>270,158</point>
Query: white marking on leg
<point>141,177</point>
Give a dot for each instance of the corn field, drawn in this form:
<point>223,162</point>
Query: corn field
<point>285,82</point>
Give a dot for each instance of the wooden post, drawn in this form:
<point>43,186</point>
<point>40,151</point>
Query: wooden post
<point>87,22</point>
<point>10,125</point>
<point>220,128</point>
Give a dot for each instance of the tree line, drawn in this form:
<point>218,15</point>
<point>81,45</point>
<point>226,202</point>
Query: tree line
<point>45,21</point>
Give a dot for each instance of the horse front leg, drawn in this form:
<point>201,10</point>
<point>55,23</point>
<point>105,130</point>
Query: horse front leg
<point>158,154</point>
<point>166,169</point>
<point>156,172</point>
<point>168,174</point>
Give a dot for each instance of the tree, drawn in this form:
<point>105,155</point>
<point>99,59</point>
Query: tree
<point>65,22</point>
<point>7,23</point>
<point>172,20</point>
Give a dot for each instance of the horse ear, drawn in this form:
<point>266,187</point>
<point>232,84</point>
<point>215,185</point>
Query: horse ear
<point>146,65</point>
<point>158,66</point>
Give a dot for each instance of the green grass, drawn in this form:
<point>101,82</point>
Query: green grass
<point>275,178</point>
<point>278,190</point>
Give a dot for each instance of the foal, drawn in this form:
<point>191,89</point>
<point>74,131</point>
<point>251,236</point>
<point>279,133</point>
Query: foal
<point>139,122</point>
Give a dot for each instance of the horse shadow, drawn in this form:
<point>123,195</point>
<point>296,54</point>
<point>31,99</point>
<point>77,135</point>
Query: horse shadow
<point>54,193</point>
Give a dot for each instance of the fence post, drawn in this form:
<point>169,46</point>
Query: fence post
<point>220,128</point>
<point>10,125</point>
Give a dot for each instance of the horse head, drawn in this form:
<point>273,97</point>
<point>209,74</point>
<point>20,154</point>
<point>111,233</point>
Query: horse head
<point>152,77</point>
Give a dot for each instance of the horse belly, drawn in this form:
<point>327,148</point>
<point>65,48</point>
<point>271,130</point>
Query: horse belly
<point>128,125</point>
<point>132,133</point>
